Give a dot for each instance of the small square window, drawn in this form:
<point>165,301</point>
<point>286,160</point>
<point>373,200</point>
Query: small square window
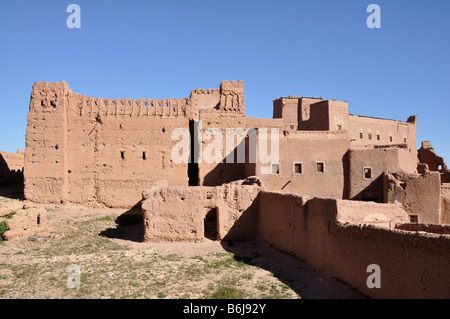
<point>320,167</point>
<point>339,127</point>
<point>275,169</point>
<point>439,167</point>
<point>367,173</point>
<point>413,218</point>
<point>298,168</point>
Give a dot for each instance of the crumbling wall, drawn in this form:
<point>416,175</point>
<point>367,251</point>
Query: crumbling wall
<point>45,168</point>
<point>428,156</point>
<point>412,264</point>
<point>173,214</point>
<point>419,194</point>
<point>11,168</point>
<point>445,204</point>
<point>26,222</point>
<point>366,168</point>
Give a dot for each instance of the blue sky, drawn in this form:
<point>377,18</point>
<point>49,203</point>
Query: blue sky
<point>165,49</point>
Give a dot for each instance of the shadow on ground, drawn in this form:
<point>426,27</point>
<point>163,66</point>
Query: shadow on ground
<point>299,276</point>
<point>14,191</point>
<point>129,226</point>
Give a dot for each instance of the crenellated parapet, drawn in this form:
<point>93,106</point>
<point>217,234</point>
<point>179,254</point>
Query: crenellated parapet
<point>232,97</point>
<point>93,107</point>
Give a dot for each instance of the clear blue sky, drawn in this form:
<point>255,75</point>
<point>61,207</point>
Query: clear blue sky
<point>165,49</point>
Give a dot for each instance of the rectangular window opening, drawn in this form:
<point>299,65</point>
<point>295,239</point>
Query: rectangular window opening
<point>144,155</point>
<point>122,155</point>
<point>367,173</point>
<point>298,168</point>
<point>275,169</point>
<point>320,167</point>
<point>413,218</point>
<point>378,137</point>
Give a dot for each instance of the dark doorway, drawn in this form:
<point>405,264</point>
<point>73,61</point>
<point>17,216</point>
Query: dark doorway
<point>210,224</point>
<point>193,161</point>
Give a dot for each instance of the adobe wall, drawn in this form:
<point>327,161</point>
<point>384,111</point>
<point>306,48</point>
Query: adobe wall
<point>445,204</point>
<point>328,115</point>
<point>11,168</point>
<point>45,168</point>
<point>308,149</point>
<point>434,162</point>
<point>429,228</point>
<point>377,160</point>
<point>177,214</point>
<point>381,131</point>
<point>90,150</point>
<point>419,194</point>
<point>287,108</point>
<point>412,264</point>
<point>103,151</point>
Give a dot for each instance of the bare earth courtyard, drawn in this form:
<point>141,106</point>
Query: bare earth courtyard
<point>103,243</point>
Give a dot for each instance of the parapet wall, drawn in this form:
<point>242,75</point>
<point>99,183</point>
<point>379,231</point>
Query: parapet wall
<point>412,264</point>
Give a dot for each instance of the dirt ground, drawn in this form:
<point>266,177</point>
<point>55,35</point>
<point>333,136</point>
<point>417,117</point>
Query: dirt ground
<point>104,246</point>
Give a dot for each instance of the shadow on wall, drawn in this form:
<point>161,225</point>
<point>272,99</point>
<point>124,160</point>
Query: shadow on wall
<point>372,192</point>
<point>289,270</point>
<point>11,181</point>
<point>227,171</point>
<point>130,226</point>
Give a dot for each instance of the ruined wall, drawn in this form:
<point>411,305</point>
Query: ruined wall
<point>419,194</point>
<point>173,214</point>
<point>445,204</point>
<point>310,163</point>
<point>428,156</point>
<point>412,264</point>
<point>45,168</point>
<point>366,167</point>
<point>11,168</point>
